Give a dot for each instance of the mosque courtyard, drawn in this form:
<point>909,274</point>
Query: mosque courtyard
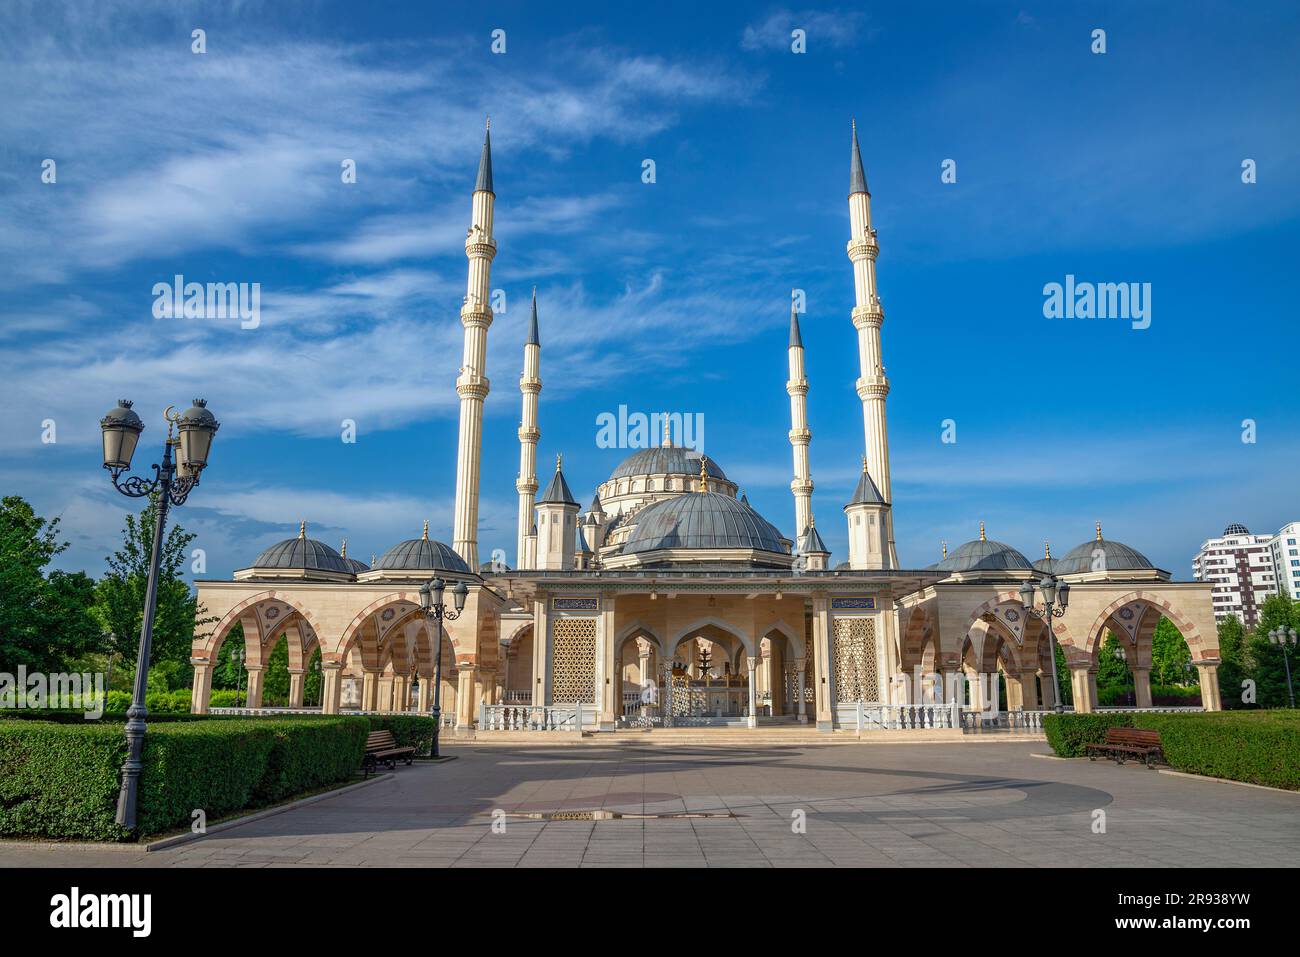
<point>968,804</point>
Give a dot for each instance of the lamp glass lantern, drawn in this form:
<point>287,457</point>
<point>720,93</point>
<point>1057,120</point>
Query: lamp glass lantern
<point>197,427</point>
<point>121,431</point>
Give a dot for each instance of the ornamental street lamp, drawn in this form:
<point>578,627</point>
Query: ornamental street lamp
<point>1054,590</point>
<point>431,600</point>
<point>320,687</point>
<point>172,482</point>
<point>1118,652</point>
<point>1286,637</point>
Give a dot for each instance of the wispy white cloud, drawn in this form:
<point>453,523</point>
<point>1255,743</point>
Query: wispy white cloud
<point>835,28</point>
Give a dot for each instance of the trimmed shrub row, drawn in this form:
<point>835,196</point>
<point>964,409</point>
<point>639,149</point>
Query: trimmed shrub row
<point>1257,747</point>
<point>60,780</point>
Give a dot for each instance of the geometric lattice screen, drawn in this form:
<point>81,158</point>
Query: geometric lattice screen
<point>855,660</point>
<point>573,654</point>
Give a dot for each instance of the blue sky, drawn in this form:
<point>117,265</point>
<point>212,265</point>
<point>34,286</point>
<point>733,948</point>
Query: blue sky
<point>1122,167</point>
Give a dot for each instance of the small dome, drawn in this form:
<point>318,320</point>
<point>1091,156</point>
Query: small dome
<point>302,553</point>
<point>1113,556</point>
<point>421,554</point>
<point>983,555</point>
<point>1235,529</point>
<point>665,460</point>
<point>702,520</point>
<point>356,567</point>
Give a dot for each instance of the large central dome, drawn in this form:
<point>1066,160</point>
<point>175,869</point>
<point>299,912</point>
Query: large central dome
<point>702,520</point>
<point>665,460</point>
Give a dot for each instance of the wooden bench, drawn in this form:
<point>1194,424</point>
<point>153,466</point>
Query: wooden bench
<point>1122,743</point>
<point>382,748</point>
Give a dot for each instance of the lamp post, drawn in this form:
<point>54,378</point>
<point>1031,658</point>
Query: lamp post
<point>431,600</point>
<point>1286,637</point>
<point>320,685</point>
<point>172,482</point>
<point>1118,652</point>
<point>1054,590</point>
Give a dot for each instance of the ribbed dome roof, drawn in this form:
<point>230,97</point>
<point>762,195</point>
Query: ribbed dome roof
<point>421,554</point>
<point>1235,529</point>
<point>984,555</point>
<point>702,520</point>
<point>1114,556</point>
<point>305,553</point>
<point>665,460</point>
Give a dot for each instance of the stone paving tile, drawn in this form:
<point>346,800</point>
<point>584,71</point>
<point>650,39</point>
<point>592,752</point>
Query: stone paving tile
<point>954,805</point>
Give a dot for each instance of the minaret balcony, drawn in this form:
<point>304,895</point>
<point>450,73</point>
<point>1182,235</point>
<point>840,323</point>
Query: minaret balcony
<point>526,486</point>
<point>800,436</point>
<point>869,315</point>
<point>530,384</point>
<point>873,386</point>
<point>472,314</point>
<point>529,435</point>
<point>797,387</point>
<point>477,246</point>
<point>470,386</point>
<point>802,486</point>
<point>862,248</point>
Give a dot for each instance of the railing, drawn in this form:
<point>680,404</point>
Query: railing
<point>518,697</point>
<point>553,717</point>
<point>448,718</point>
<point>874,716</point>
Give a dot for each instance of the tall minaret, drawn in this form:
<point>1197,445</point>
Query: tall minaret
<point>472,383</point>
<point>872,384</point>
<point>797,386</point>
<point>530,385</point>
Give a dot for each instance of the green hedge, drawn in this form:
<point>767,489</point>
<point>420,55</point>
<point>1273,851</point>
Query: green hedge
<point>409,730</point>
<point>1258,747</point>
<point>61,780</point>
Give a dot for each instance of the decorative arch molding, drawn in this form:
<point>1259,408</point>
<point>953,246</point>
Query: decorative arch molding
<point>1153,600</point>
<point>353,630</point>
<point>782,627</point>
<point>212,645</point>
<point>640,629</point>
<point>734,630</point>
<point>518,633</point>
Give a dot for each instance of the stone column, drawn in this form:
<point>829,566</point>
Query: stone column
<point>800,708</point>
<point>297,682</point>
<point>1141,687</point>
<point>541,651</point>
<point>1084,686</point>
<point>975,689</point>
<point>331,686</point>
<point>369,691</point>
<point>425,695</point>
<point>385,693</point>
<point>1014,689</point>
<point>401,693</point>
<point>1208,673</point>
<point>666,696</point>
<point>465,697</point>
<point>201,689</point>
<point>822,653</point>
<point>254,698</point>
<point>1029,691</point>
<point>609,688</point>
<point>752,664</point>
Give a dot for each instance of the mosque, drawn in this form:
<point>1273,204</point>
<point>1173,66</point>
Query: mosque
<point>671,601</point>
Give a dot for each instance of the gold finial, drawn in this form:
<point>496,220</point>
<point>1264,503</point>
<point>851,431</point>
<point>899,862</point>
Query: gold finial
<point>944,546</point>
<point>812,521</point>
<point>487,122</point>
<point>302,529</point>
<point>982,537</point>
<point>426,529</point>
<point>1047,549</point>
<point>1099,531</point>
<point>864,465</point>
<point>343,552</point>
<point>559,460</point>
<point>704,477</point>
<point>372,559</point>
<point>854,122</point>
<point>668,430</point>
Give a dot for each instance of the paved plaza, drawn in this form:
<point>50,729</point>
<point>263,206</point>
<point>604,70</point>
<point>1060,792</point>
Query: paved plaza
<point>968,804</point>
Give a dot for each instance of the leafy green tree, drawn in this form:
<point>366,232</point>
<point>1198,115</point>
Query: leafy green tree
<point>1278,611</point>
<point>1234,669</point>
<point>312,680</point>
<point>1171,659</point>
<point>120,594</point>
<point>44,620</point>
<point>227,671</point>
<point>1063,681</point>
<point>275,680</point>
<point>1114,679</point>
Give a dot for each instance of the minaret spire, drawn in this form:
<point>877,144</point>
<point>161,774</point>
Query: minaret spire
<point>872,385</point>
<point>530,384</point>
<point>472,384</point>
<point>800,436</point>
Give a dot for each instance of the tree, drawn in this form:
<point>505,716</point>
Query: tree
<point>1233,670</point>
<point>1062,679</point>
<point>275,680</point>
<point>120,594</point>
<point>1171,659</point>
<point>1278,611</point>
<point>227,672</point>
<point>1114,680</point>
<point>43,616</point>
